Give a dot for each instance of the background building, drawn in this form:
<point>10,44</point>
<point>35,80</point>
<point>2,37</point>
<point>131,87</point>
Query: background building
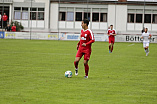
<point>127,16</point>
<point>31,13</point>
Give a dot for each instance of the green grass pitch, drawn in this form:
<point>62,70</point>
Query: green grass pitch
<point>32,72</point>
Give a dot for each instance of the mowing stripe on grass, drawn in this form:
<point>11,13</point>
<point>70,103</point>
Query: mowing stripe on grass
<point>131,44</point>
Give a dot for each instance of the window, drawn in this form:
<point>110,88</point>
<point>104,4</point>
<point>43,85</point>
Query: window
<point>103,17</point>
<point>78,16</point>
<point>70,16</point>
<point>130,18</point>
<point>87,16</point>
<point>33,9</point>
<point>95,17</point>
<point>25,13</point>
<point>154,18</point>
<point>17,8</point>
<point>33,15</point>
<point>147,18</point>
<point>40,9</point>
<point>24,9</point>
<point>37,13</point>
<point>62,16</point>
<point>40,15</point>
<point>17,15</point>
<point>138,18</point>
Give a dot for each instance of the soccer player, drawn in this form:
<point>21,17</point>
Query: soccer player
<point>111,34</point>
<point>84,47</point>
<point>146,36</point>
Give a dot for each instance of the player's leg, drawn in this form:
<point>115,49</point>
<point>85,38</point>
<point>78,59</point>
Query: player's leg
<point>109,47</point>
<point>86,68</point>
<point>76,62</point>
<point>86,59</point>
<point>77,59</point>
<point>144,46</point>
<point>147,44</point>
<point>147,49</point>
<point>112,45</point>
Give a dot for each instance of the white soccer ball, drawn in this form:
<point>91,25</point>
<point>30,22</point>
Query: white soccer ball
<point>68,74</point>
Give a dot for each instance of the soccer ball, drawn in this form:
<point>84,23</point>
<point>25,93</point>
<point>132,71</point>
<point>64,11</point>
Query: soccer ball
<point>68,74</point>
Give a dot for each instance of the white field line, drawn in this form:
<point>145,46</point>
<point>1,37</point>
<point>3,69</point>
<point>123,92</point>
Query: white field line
<point>131,44</point>
<point>70,54</point>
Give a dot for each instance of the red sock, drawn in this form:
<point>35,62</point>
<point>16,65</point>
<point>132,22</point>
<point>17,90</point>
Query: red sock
<point>76,64</point>
<point>111,48</point>
<point>86,69</point>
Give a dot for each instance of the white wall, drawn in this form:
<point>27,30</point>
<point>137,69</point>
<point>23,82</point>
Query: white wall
<point>111,15</point>
<point>18,0</point>
<point>121,17</point>
<point>54,16</point>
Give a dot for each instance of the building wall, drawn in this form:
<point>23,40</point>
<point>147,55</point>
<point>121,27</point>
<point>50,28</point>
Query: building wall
<point>117,15</point>
<point>47,12</point>
<point>54,17</point>
<point>148,10</point>
<point>75,25</point>
<point>121,17</point>
<point>112,15</point>
<point>28,23</point>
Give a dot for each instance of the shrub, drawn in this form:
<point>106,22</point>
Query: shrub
<point>18,25</point>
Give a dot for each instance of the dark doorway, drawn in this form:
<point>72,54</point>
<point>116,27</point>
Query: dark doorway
<point>6,10</point>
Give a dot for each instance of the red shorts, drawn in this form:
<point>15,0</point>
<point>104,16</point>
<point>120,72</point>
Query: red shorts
<point>86,54</point>
<point>111,40</point>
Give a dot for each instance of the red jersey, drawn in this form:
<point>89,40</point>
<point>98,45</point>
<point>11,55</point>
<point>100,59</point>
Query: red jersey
<point>87,37</point>
<point>110,32</point>
<point>13,28</point>
<point>4,17</point>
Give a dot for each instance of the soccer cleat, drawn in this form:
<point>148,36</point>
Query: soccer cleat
<point>147,53</point>
<point>85,77</point>
<point>110,51</point>
<point>76,72</point>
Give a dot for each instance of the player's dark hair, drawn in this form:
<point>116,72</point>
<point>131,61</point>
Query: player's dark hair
<point>111,25</point>
<point>86,21</point>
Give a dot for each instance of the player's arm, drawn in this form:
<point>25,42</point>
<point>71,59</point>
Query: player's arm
<point>142,36</point>
<point>150,36</point>
<point>92,40</point>
<point>108,33</point>
<point>114,33</point>
<point>78,44</point>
